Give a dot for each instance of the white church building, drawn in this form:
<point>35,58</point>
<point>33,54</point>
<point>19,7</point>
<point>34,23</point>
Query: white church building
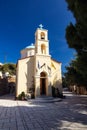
<point>36,69</point>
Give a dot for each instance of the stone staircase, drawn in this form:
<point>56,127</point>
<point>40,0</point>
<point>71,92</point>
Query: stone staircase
<point>44,99</point>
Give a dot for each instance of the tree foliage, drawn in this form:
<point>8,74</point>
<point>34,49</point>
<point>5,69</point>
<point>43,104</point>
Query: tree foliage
<point>11,68</point>
<point>76,35</point>
<point>73,76</point>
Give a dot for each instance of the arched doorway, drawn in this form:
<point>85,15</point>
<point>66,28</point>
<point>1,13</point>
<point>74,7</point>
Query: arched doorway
<point>43,81</point>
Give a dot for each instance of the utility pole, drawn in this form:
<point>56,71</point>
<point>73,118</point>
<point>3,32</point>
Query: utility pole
<point>5,58</point>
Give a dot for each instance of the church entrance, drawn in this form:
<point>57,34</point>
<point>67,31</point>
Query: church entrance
<point>43,79</point>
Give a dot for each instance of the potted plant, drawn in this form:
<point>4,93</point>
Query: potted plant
<point>21,96</point>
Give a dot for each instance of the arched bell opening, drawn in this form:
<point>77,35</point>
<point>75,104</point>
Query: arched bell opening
<point>42,35</point>
<point>43,49</point>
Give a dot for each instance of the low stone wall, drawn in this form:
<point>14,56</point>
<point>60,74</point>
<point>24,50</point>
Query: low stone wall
<point>3,86</point>
<point>78,90</point>
<point>7,85</point>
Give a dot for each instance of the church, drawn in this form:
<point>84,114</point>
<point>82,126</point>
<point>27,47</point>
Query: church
<point>36,70</point>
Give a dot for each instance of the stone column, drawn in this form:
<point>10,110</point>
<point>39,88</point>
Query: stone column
<point>37,86</point>
<point>49,89</point>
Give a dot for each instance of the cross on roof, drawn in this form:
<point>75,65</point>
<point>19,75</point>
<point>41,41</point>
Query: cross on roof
<point>41,26</point>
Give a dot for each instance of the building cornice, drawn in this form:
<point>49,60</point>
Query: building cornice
<point>56,61</point>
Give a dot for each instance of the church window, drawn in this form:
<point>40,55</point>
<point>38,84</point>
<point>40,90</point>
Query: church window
<point>42,35</point>
<point>43,49</point>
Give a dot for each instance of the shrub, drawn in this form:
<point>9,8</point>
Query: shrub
<point>21,96</point>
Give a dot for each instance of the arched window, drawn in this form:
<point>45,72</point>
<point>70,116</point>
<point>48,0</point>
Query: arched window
<point>43,49</point>
<point>42,35</point>
<point>43,74</point>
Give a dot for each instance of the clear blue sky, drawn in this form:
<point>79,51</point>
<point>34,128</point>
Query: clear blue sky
<point>19,20</point>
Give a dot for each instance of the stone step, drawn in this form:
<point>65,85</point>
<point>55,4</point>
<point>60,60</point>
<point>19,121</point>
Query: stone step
<point>44,100</point>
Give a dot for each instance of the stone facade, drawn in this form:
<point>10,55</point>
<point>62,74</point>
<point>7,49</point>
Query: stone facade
<point>36,69</point>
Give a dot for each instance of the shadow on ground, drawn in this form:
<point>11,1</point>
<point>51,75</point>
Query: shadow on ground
<point>71,113</point>
<point>8,96</point>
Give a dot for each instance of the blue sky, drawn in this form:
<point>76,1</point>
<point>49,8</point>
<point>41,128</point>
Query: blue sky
<point>19,20</point>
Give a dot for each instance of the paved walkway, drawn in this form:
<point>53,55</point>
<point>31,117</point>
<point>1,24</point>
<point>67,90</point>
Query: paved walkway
<point>69,114</point>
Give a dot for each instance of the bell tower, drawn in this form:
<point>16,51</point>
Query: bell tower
<point>41,41</point>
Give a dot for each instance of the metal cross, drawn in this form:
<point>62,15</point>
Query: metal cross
<point>41,26</point>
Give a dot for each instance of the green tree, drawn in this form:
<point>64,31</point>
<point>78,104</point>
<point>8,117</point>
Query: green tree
<point>72,76</point>
<point>76,35</point>
<point>64,82</point>
<point>10,67</point>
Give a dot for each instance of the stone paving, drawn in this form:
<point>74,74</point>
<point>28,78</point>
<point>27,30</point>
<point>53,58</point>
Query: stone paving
<point>69,114</point>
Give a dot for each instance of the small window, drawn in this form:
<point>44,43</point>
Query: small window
<point>42,35</point>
